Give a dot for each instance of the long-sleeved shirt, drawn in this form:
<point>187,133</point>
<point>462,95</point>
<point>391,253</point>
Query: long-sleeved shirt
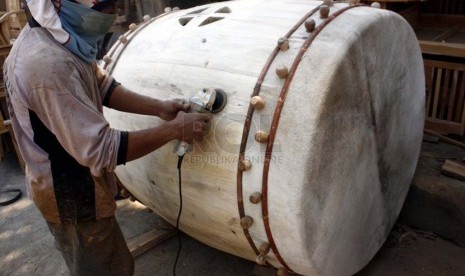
<point>55,101</point>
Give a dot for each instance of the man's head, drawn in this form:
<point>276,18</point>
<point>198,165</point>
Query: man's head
<point>76,24</point>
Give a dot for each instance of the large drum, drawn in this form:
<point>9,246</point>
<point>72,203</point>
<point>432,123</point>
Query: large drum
<point>309,177</point>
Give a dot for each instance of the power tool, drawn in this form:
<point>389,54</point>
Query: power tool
<point>207,100</point>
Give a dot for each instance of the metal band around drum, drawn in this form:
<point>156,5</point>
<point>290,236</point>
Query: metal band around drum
<point>275,122</point>
<point>248,122</point>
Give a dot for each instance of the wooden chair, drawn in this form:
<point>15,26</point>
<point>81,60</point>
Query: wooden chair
<point>11,23</point>
<point>445,96</point>
<point>5,129</point>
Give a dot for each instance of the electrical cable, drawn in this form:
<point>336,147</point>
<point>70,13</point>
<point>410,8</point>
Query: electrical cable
<point>179,214</point>
<point>17,195</point>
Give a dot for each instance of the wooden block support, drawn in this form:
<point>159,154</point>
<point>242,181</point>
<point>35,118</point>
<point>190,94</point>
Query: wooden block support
<point>453,169</point>
<point>144,242</point>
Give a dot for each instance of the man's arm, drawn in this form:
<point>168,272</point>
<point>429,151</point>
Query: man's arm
<point>123,99</point>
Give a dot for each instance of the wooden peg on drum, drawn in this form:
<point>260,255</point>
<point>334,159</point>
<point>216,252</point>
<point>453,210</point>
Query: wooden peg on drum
<point>261,259</point>
<point>324,11</point>
<point>283,44</point>
<point>310,25</point>
<point>107,59</point>
<point>264,250</point>
<point>133,27</point>
<point>245,165</point>
<point>246,222</point>
<point>255,198</point>
<point>257,102</point>
<point>261,136</point>
<point>282,72</point>
<point>123,39</point>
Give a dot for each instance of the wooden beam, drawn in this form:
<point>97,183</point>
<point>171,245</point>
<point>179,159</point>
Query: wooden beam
<point>437,92</point>
<point>453,169</point>
<point>444,64</point>
<point>445,139</point>
<point>442,48</point>
<point>144,242</point>
<point>442,126</point>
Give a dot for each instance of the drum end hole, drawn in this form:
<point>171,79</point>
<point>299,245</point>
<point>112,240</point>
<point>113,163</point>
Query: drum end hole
<point>220,101</point>
<point>210,20</point>
<point>197,11</point>
<point>184,20</point>
<point>224,10</point>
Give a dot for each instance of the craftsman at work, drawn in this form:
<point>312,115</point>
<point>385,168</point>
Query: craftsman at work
<point>55,96</point>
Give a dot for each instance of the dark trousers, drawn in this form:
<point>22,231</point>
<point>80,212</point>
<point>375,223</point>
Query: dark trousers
<point>93,247</point>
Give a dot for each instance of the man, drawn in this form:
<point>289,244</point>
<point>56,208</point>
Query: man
<point>55,94</point>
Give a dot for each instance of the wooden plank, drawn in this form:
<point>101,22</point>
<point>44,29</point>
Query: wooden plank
<point>452,104</point>
<point>462,91</point>
<point>13,5</point>
<point>444,94</point>
<point>444,64</point>
<point>453,169</point>
<point>442,48</point>
<point>443,126</point>
<point>149,240</point>
<point>445,139</point>
<point>437,92</point>
<point>460,105</point>
<point>429,72</point>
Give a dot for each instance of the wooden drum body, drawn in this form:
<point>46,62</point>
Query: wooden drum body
<point>327,155</point>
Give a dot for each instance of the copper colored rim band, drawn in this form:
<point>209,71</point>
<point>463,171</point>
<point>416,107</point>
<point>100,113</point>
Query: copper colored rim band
<point>274,127</point>
<point>248,122</point>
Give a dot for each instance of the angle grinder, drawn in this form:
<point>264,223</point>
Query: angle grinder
<point>207,100</point>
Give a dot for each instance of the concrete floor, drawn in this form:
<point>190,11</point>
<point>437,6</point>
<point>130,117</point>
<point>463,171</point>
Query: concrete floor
<point>27,248</point>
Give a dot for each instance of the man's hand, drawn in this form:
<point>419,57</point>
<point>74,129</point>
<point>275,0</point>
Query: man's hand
<point>191,126</point>
<point>169,109</point>
<point>185,127</point>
